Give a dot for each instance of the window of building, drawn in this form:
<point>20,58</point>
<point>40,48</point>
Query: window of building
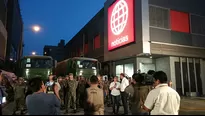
<point>159,17</point>
<point>97,42</point>
<point>129,69</point>
<point>119,69</point>
<point>198,24</point>
<point>179,21</point>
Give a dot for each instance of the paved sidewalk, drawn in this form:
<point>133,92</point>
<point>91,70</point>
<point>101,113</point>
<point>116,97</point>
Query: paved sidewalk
<point>192,104</point>
<point>189,106</point>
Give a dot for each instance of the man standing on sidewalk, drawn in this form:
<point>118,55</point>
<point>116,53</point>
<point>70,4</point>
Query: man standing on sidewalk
<point>115,92</point>
<point>123,85</point>
<point>72,86</point>
<point>162,100</point>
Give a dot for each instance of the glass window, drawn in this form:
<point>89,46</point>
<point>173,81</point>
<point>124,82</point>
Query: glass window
<point>129,69</point>
<point>145,67</point>
<point>38,63</point>
<point>198,24</point>
<point>159,17</point>
<point>86,64</point>
<point>119,69</point>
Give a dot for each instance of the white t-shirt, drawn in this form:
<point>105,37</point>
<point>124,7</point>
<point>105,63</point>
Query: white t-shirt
<point>163,100</point>
<point>124,84</point>
<point>115,91</point>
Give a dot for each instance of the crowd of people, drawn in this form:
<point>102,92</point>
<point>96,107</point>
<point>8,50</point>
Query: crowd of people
<point>143,94</point>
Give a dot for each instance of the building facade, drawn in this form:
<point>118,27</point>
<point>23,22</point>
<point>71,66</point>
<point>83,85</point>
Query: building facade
<point>14,49</point>
<point>88,42</point>
<point>56,52</point>
<point>167,35</point>
<point>3,31</point>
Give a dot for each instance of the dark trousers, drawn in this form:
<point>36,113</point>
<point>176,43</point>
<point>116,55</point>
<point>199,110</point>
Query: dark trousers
<point>116,102</point>
<point>0,110</point>
<point>124,102</point>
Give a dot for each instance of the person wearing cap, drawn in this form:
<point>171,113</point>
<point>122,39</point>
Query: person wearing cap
<point>72,86</point>
<point>124,95</point>
<point>94,100</point>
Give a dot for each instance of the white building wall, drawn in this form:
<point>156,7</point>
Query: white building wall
<point>145,64</point>
<point>202,66</point>
<point>166,64</point>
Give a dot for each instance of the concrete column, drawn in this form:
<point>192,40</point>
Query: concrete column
<point>145,26</point>
<point>202,75</point>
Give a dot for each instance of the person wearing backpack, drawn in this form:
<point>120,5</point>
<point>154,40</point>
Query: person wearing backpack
<point>140,93</point>
<point>94,98</point>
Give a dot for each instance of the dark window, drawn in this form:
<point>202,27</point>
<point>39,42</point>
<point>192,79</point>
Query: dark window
<point>179,21</point>
<point>86,64</point>
<point>159,17</point>
<point>38,63</point>
<point>198,24</point>
<point>97,42</point>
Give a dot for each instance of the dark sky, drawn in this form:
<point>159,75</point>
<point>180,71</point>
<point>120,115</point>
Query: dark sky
<point>59,19</point>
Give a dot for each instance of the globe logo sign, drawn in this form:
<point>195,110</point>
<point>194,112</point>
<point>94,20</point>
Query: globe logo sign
<point>119,17</point>
<point>120,23</point>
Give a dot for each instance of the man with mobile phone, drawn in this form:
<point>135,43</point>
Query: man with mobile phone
<point>115,92</point>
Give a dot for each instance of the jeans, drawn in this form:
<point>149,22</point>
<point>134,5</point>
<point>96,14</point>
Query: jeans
<point>116,102</point>
<point>124,102</point>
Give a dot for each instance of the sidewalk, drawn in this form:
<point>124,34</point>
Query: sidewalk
<point>192,104</point>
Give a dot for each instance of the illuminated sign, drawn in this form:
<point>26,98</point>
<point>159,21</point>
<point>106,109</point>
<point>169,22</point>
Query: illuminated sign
<point>120,23</point>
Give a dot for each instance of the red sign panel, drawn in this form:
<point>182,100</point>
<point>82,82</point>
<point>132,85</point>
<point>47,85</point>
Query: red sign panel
<point>120,23</point>
<point>179,21</point>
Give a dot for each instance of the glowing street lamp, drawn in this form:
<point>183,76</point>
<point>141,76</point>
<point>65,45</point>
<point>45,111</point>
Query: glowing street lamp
<point>36,28</point>
<point>33,53</point>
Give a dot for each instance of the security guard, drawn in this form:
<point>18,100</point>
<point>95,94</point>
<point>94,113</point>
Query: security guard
<point>19,95</point>
<point>72,86</point>
<point>94,102</point>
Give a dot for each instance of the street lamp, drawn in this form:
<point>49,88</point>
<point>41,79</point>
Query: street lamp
<point>33,53</point>
<point>36,28</point>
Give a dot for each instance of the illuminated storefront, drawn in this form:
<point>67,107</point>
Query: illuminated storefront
<point>152,35</point>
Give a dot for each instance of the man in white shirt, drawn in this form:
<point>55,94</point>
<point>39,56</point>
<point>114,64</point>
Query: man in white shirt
<point>124,95</point>
<point>115,92</point>
<point>162,100</point>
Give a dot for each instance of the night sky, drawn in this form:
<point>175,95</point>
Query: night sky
<point>59,19</point>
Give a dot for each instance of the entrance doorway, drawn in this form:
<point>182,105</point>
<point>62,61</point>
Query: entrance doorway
<point>188,80</point>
